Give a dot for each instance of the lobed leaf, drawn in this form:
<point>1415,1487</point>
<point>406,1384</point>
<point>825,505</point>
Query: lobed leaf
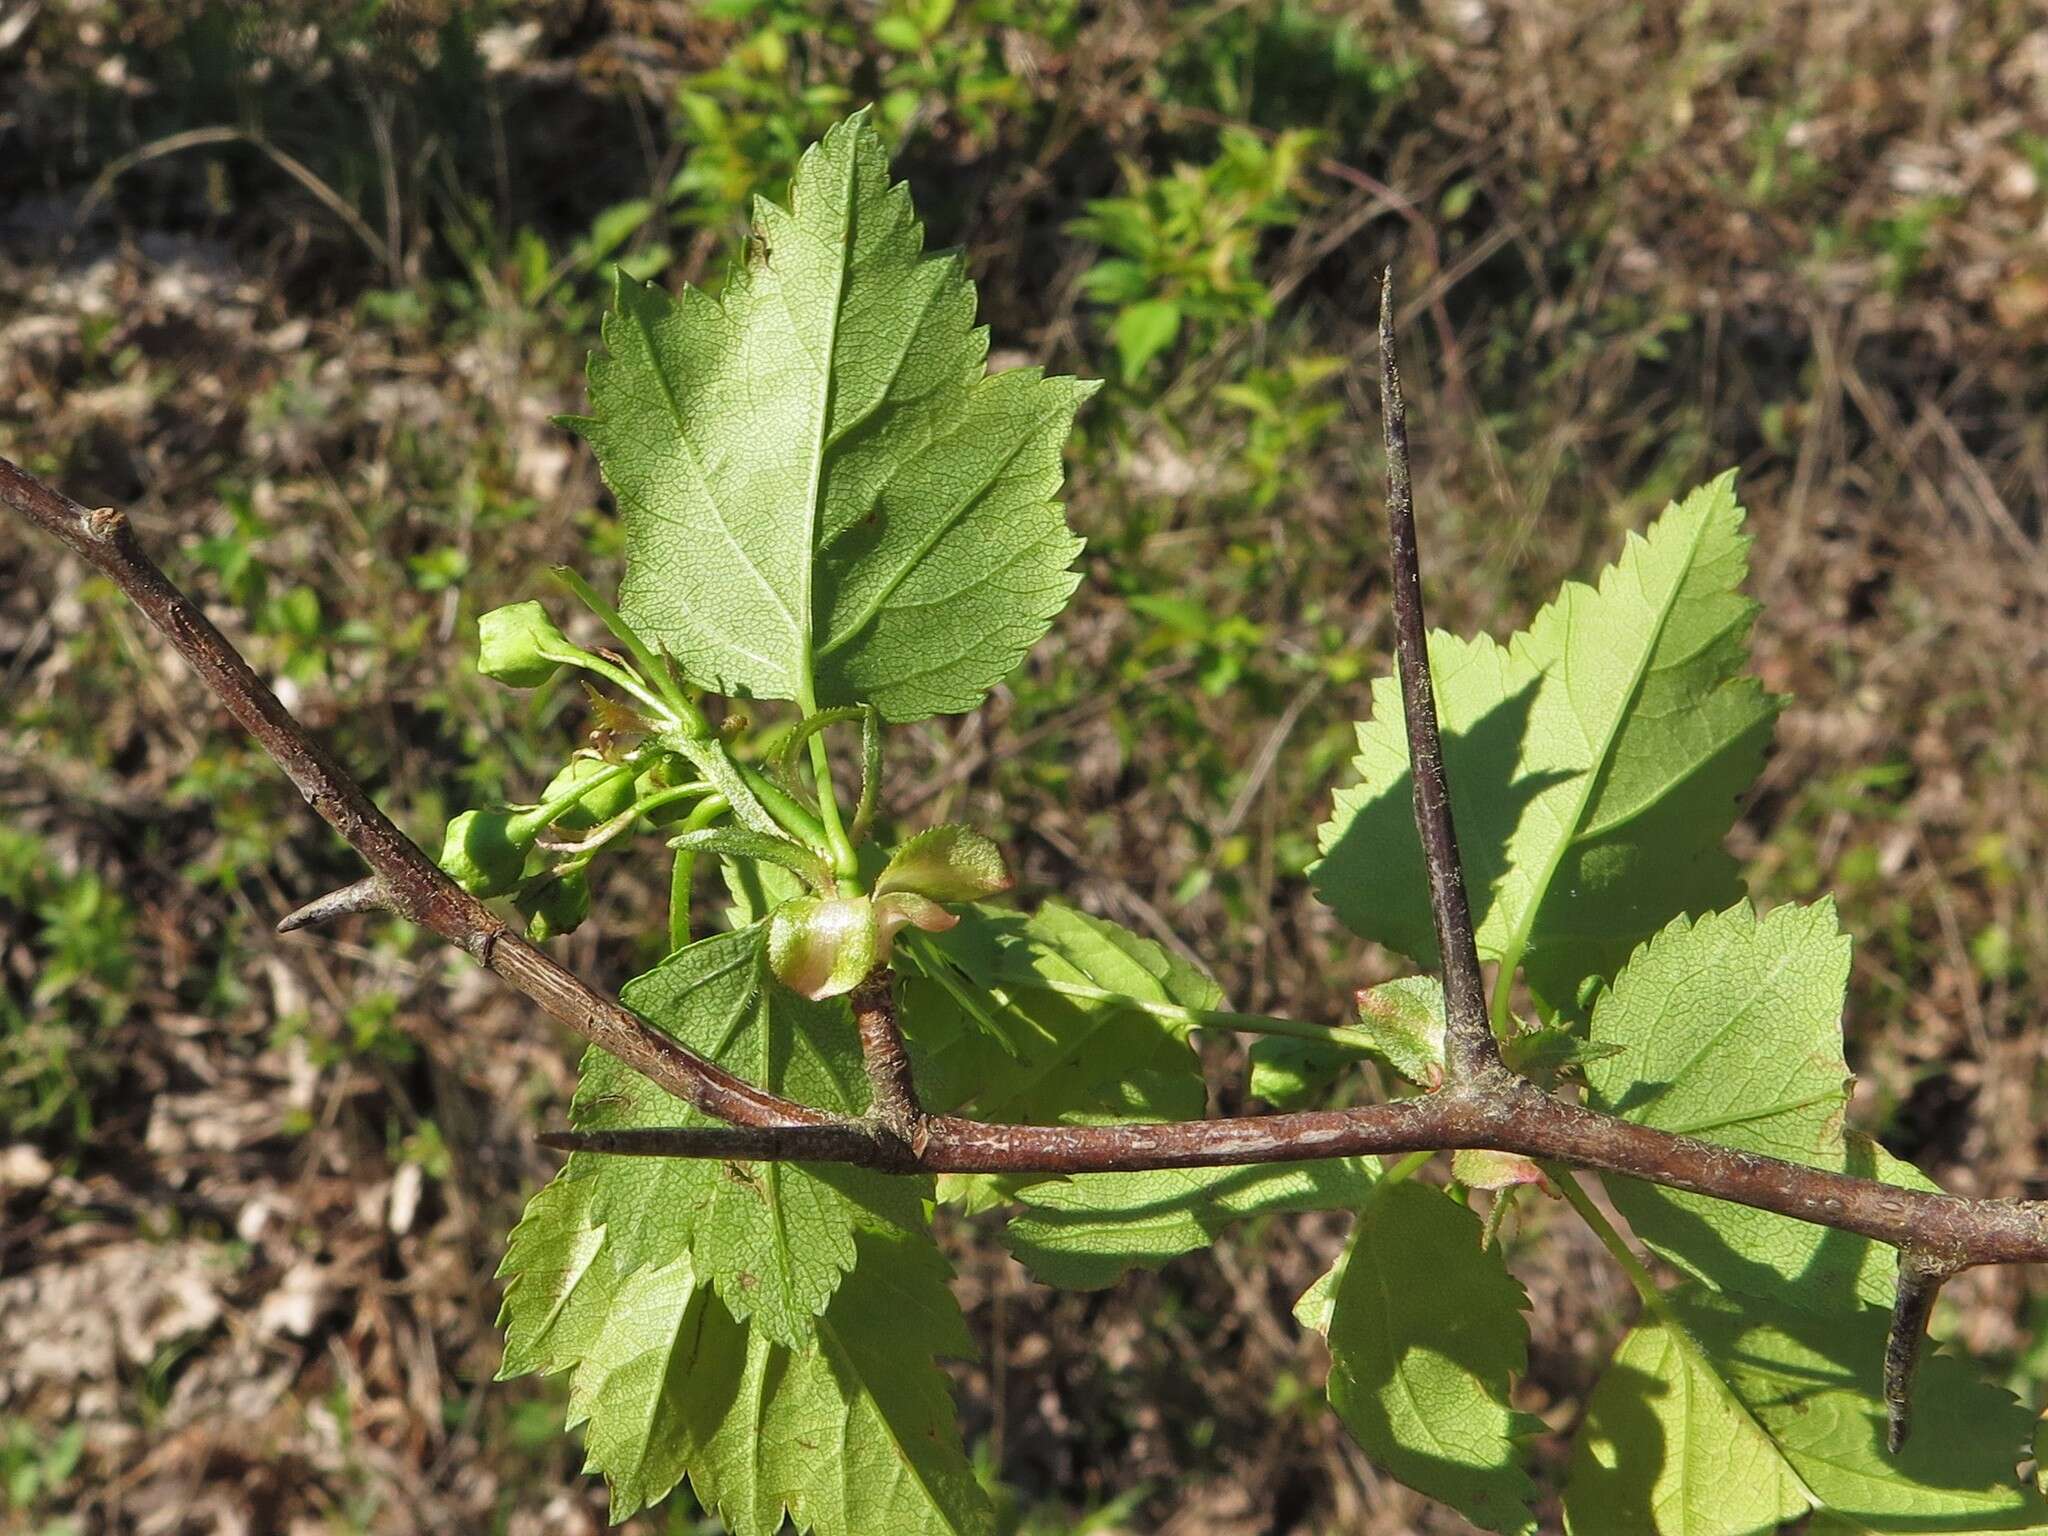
<point>668,1383</point>
<point>773,1239</point>
<point>1596,760</point>
<point>826,497</point>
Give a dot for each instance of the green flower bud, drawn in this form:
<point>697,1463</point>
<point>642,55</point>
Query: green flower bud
<point>600,804</point>
<point>484,852</point>
<point>821,946</point>
<point>557,908</point>
<point>946,864</point>
<point>667,771</point>
<point>520,646</point>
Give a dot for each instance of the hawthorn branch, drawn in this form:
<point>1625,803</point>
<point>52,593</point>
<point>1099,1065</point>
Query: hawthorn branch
<point>405,880</point>
<point>1523,1120</point>
<point>1471,1054</point>
<point>1486,1108</point>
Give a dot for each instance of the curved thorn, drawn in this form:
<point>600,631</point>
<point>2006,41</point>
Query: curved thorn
<point>366,895</point>
<point>1921,1277</point>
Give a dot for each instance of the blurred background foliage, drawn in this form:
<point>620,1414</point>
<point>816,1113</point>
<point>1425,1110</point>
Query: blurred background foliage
<point>301,283</point>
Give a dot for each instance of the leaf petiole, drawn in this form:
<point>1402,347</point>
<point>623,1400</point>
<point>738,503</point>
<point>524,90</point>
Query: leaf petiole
<point>1638,1273</point>
<point>606,831</point>
<point>838,847</point>
<point>839,844</point>
<point>789,813</point>
<point>530,823</point>
<point>673,701</point>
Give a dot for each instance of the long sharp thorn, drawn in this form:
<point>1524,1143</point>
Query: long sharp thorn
<point>1921,1278</point>
<point>1470,1050</point>
<point>366,895</point>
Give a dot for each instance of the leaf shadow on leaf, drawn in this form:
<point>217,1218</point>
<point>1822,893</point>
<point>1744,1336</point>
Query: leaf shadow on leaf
<point>1828,1279</point>
<point>890,1201</point>
<point>1809,1383</point>
<point>1061,1058</point>
<point>1051,1238</point>
<point>1628,1488</point>
<point>1641,1094</point>
<point>1375,866</point>
<point>1488,1494</point>
<point>1852,1345</point>
<point>1478,1333</point>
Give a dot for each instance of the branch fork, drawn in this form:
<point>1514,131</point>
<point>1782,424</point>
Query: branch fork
<point>1481,1105</point>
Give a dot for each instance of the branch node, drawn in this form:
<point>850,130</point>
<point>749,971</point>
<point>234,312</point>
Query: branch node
<point>891,1085</point>
<point>368,894</point>
<point>1921,1277</point>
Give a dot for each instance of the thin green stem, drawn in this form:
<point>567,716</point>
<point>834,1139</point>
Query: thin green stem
<point>803,730</point>
<point>544,814</point>
<point>1638,1273</point>
<point>1405,1169</point>
<point>626,680</point>
<point>607,831</point>
<point>673,701</point>
<point>684,868</point>
<point>837,845</point>
<point>1503,992</point>
<point>788,812</point>
<point>870,772</point>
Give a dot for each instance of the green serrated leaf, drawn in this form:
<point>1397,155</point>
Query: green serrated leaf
<point>991,1029</point>
<point>667,1382</point>
<point>1478,1169</point>
<point>949,863</point>
<point>1426,1329</point>
<point>1406,1021</point>
<point>1089,1231</point>
<point>1296,1074</point>
<point>826,497</point>
<point>1548,1052</point>
<point>1730,1029</point>
<point>990,991</point>
<point>556,1290</point>
<point>1721,1418</point>
<point>1597,758</point>
<point>774,1239</point>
